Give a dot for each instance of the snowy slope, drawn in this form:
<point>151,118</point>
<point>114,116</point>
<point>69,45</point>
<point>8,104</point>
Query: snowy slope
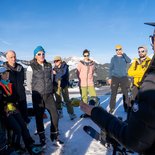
<point>73,61</point>
<point>2,58</point>
<point>77,142</point>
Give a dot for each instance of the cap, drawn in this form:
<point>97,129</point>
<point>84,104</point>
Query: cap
<point>57,58</point>
<point>3,69</point>
<point>151,24</point>
<point>118,46</point>
<point>37,49</point>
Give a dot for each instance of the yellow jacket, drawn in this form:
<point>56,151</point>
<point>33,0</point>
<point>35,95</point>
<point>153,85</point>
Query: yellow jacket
<point>137,70</point>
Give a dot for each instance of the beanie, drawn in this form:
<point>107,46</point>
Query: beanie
<point>118,46</point>
<point>38,48</point>
<point>143,46</point>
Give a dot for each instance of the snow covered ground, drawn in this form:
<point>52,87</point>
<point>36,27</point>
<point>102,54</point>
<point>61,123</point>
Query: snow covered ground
<point>77,142</point>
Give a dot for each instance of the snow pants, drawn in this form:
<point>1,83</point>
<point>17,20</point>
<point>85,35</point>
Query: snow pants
<point>22,106</point>
<point>60,92</point>
<point>87,90</point>
<point>117,82</point>
<point>16,123</point>
<point>40,103</point>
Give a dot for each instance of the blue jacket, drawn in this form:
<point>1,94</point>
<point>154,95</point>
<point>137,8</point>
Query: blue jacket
<point>62,74</point>
<point>118,66</point>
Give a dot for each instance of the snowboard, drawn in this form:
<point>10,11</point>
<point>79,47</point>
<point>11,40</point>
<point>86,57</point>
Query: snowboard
<point>106,140</point>
<point>94,134</point>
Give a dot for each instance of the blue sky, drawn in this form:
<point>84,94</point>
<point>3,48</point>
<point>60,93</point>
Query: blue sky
<point>67,27</point>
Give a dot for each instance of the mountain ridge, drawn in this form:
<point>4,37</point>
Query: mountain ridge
<point>101,70</point>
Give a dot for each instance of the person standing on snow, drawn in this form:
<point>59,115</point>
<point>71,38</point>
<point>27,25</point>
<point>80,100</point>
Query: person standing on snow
<point>39,81</point>
<point>61,82</point>
<point>118,77</point>
<point>137,70</point>
<point>17,79</point>
<point>85,71</point>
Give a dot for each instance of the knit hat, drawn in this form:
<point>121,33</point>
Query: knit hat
<point>3,69</point>
<point>118,46</point>
<point>143,46</point>
<point>57,58</point>
<point>38,48</point>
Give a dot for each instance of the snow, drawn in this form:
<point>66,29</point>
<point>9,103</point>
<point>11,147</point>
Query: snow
<point>76,141</point>
<point>73,61</point>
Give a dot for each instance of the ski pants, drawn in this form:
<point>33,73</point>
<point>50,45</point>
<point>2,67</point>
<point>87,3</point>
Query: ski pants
<point>84,93</point>
<point>16,123</point>
<point>2,136</point>
<point>117,82</point>
<point>60,92</point>
<point>22,106</point>
<point>40,103</point>
<point>4,149</point>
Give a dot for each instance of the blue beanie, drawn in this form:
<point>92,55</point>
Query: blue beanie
<point>38,48</point>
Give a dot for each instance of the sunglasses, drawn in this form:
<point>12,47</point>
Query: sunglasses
<point>41,54</point>
<point>56,61</point>
<point>118,49</point>
<point>141,51</point>
<point>86,55</point>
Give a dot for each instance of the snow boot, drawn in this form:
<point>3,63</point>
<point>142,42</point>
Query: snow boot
<point>34,149</point>
<point>72,116</point>
<point>7,151</point>
<point>60,114</point>
<point>111,111</point>
<point>94,101</point>
<point>84,116</point>
<point>19,149</point>
<point>55,140</point>
<point>42,139</point>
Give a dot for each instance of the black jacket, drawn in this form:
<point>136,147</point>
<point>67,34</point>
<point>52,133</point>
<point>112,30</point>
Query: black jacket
<point>139,133</point>
<point>42,77</point>
<point>5,98</point>
<point>16,77</point>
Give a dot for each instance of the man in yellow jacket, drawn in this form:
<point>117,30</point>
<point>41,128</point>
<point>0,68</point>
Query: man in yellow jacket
<point>137,69</point>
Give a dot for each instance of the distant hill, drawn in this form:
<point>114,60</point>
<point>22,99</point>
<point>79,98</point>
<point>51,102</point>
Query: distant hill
<point>2,58</point>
